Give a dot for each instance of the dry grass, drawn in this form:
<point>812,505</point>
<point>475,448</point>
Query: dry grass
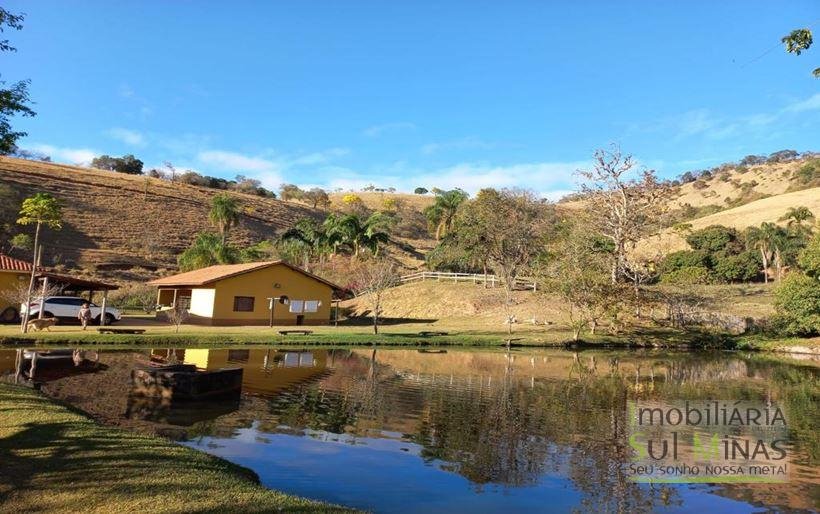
<point>126,227</point>
<point>375,200</point>
<point>751,214</point>
<point>53,459</point>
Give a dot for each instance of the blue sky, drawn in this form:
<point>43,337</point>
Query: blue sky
<point>406,94</point>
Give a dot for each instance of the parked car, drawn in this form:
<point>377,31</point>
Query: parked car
<point>65,308</point>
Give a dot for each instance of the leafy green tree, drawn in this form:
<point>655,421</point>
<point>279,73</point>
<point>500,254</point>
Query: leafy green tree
<point>508,227</point>
<point>14,100</point>
<point>317,198</point>
<point>798,41</point>
<point>207,250</point>
<point>38,210</point>
<point>290,192</point>
<point>20,242</point>
<point>809,258</point>
<point>743,267</point>
<point>797,305</point>
<point>683,259</point>
<point>224,214</point>
<point>421,191</point>
<point>126,164</point>
<point>577,269</point>
<point>443,211</point>
<point>715,238</point>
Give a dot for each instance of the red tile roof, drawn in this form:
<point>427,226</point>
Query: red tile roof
<point>11,264</point>
<point>219,272</point>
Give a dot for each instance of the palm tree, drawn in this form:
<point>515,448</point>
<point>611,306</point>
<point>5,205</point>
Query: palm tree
<point>224,214</point>
<point>442,213</point>
<point>207,250</point>
<point>310,237</point>
<point>350,231</point>
<point>762,239</point>
<point>797,215</point>
<point>376,231</point>
<point>771,240</point>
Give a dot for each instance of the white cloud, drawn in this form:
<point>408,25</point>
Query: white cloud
<point>378,130</point>
<point>129,137</point>
<point>78,156</point>
<point>550,179</point>
<point>267,171</point>
<point>812,103</point>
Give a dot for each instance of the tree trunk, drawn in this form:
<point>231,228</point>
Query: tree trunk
<point>765,260</point>
<point>27,315</point>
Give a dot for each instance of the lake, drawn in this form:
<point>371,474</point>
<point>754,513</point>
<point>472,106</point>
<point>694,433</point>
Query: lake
<point>408,430</point>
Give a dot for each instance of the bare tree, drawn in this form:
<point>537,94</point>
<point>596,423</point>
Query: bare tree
<point>18,293</point>
<point>371,280</point>
<point>621,207</point>
<point>176,315</point>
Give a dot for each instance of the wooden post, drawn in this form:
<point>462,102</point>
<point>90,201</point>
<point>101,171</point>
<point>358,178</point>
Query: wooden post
<point>104,303</point>
<point>174,302</point>
<point>336,314</point>
<point>43,298</point>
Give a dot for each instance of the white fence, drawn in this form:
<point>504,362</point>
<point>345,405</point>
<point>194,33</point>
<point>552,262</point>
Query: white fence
<point>475,278</point>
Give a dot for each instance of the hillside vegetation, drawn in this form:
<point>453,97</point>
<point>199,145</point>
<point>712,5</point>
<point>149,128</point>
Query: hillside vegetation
<point>126,226</point>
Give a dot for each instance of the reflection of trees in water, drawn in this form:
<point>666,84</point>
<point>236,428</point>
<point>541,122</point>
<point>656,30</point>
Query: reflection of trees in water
<point>510,429</point>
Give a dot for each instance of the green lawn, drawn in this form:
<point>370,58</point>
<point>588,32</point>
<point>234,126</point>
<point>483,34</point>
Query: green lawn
<point>460,332</point>
<point>55,459</point>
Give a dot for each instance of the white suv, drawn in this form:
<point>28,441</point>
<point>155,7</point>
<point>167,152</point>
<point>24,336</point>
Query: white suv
<point>66,308</point>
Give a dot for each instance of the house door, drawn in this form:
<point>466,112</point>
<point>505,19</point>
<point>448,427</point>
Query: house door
<point>300,320</point>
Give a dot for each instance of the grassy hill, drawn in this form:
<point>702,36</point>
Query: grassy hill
<point>747,215</point>
<point>128,227</point>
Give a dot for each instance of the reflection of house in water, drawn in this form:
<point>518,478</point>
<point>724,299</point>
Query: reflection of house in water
<point>266,371</point>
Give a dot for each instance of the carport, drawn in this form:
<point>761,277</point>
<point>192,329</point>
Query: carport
<point>74,286</point>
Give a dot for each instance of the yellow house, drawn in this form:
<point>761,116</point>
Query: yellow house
<point>241,294</point>
<point>13,272</point>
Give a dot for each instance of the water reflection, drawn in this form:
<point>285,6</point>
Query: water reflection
<point>403,430</point>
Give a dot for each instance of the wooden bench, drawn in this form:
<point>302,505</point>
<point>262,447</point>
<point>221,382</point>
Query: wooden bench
<point>106,330</point>
<point>303,332</point>
<point>427,333</point>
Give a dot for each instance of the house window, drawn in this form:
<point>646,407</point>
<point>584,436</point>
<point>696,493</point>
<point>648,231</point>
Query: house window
<point>243,303</point>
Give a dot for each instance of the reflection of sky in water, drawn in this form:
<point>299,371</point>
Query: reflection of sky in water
<point>540,431</point>
<point>387,475</point>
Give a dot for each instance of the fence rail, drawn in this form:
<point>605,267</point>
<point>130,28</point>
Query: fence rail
<point>476,278</point>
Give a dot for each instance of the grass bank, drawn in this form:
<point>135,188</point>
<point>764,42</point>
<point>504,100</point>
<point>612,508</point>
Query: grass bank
<point>55,459</point>
<point>458,333</point>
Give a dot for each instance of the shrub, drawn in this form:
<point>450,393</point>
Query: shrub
<point>421,191</point>
<point>797,304</point>
<point>699,184</point>
<point>808,173</point>
<point>683,259</point>
<point>689,275</point>
<point>743,267</point>
<point>714,239</point>
<point>809,258</point>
